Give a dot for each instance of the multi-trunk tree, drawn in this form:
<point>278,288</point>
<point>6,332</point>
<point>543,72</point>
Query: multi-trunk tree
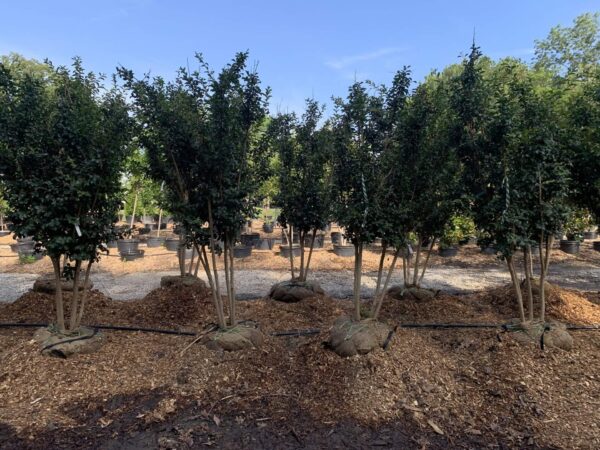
<point>515,167</point>
<point>63,140</point>
<point>359,134</point>
<point>303,178</point>
<point>172,132</point>
<point>202,136</point>
<point>423,173</point>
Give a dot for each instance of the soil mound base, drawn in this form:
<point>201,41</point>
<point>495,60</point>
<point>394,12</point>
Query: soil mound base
<point>412,293</point>
<point>295,291</point>
<point>46,284</point>
<point>349,338</point>
<point>169,281</point>
<point>87,340</point>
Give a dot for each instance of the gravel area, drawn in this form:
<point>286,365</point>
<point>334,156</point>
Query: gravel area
<point>254,283</point>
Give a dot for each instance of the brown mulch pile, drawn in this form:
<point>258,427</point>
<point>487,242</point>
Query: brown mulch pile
<point>444,388</point>
<point>565,305</point>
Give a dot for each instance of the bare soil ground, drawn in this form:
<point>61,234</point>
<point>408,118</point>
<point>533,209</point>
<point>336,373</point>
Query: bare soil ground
<point>430,389</point>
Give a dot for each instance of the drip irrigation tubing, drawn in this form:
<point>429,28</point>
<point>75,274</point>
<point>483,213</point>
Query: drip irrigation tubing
<point>298,332</point>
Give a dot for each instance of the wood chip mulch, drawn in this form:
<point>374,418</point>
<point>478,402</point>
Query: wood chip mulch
<point>441,388</point>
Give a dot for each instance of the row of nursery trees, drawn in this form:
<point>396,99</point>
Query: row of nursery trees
<point>513,145</point>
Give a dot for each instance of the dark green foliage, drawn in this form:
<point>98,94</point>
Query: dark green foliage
<point>581,135</point>
<point>423,186</point>
<point>64,142</point>
<point>525,174</point>
<point>303,154</point>
<point>202,136</point>
<point>357,146</point>
<point>304,195</point>
<point>236,161</point>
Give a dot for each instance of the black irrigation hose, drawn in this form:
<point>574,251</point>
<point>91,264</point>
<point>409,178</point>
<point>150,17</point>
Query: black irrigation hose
<point>144,330</point>
<point>308,332</point>
<point>297,332</point>
<point>449,325</point>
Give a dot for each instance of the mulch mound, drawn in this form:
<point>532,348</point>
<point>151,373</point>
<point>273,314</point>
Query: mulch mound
<point>564,305</point>
<point>180,307</point>
<point>459,388</point>
<point>169,281</point>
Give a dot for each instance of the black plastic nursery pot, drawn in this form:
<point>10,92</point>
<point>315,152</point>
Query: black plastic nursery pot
<point>4,233</point>
<point>596,245</point>
<point>569,247</point>
<point>249,239</point>
<point>128,245</point>
<point>188,252</point>
<point>155,241</point>
<point>295,238</point>
<point>285,250</point>
<point>111,244</point>
<point>242,251</point>
<point>336,237</point>
<point>172,244</point>
<point>590,235</point>
<point>488,250</point>
<point>132,255</point>
<point>344,251</point>
<point>448,252</point>
<point>263,244</point>
<point>319,241</point>
<point>267,227</point>
<point>24,247</point>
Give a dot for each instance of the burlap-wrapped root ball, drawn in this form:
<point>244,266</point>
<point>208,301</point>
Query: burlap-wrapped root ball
<point>411,293</point>
<point>237,338</point>
<point>349,338</point>
<point>550,334</point>
<point>295,291</point>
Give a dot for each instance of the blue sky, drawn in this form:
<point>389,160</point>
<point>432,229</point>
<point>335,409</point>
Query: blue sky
<point>303,48</point>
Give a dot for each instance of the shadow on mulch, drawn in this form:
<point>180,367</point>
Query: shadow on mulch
<point>134,424</point>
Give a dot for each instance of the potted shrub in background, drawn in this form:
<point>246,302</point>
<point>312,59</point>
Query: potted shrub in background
<point>456,231</point>
<point>574,229</point>
<point>3,211</point>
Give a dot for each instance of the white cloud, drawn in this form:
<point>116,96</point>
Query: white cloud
<point>344,62</point>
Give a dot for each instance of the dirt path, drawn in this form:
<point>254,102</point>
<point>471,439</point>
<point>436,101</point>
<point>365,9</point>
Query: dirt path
<point>254,283</point>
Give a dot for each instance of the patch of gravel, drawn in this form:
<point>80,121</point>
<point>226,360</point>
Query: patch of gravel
<point>256,283</point>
